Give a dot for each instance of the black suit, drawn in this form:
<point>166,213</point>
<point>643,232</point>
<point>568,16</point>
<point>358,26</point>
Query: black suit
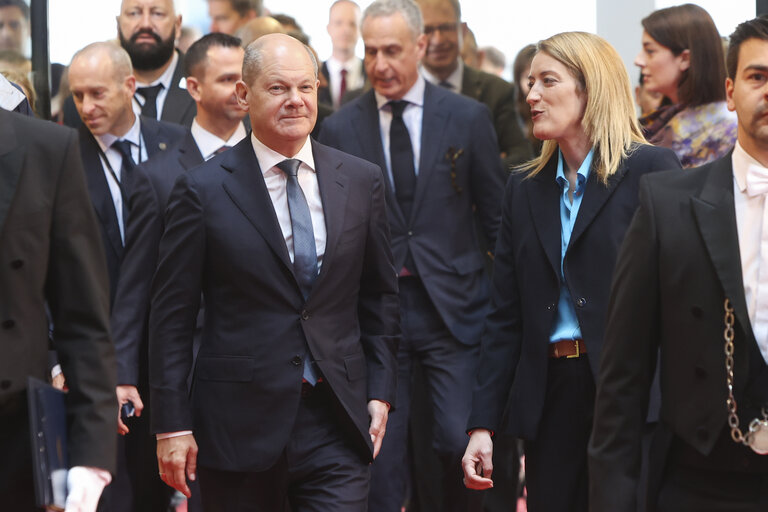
<point>136,484</point>
<point>499,96</point>
<point>515,370</point>
<point>179,107</point>
<point>222,238</point>
<point>445,305</point>
<point>51,254</point>
<point>679,262</point>
<point>324,93</point>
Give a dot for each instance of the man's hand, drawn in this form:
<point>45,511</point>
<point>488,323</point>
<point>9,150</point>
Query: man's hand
<point>127,394</point>
<point>477,462</point>
<point>378,412</point>
<point>176,460</point>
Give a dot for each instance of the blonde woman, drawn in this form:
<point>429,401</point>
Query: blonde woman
<point>564,216</point>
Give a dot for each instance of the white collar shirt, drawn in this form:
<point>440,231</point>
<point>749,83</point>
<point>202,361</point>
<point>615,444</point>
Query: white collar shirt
<point>209,144</point>
<point>165,80</point>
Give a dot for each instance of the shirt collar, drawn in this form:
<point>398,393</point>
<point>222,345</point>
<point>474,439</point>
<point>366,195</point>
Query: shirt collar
<point>133,135</point>
<point>741,162</point>
<point>208,143</point>
<point>167,75</point>
<point>335,65</point>
<point>415,94</point>
<point>581,175</point>
<point>268,157</point>
<point>454,78</point>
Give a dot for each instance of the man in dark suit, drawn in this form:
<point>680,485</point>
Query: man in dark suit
<point>288,242</point>
<point>49,241</point>
<point>442,65</point>
<point>112,141</point>
<point>440,161</point>
<point>343,71</point>
<point>690,281</point>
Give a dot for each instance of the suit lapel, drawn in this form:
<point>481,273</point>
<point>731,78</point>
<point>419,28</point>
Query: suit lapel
<point>189,153</point>
<point>470,85</point>
<point>177,100</point>
<point>98,189</point>
<point>366,126</point>
<point>332,181</point>
<point>716,218</point>
<point>543,200</point>
<point>11,160</point>
<point>433,126</point>
<point>247,189</point>
<point>150,132</point>
<point>596,195</point>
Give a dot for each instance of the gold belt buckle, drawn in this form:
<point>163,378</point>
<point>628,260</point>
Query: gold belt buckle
<point>577,354</point>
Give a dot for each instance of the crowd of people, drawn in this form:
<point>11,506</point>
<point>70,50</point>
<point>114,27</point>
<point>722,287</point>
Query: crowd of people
<point>270,283</point>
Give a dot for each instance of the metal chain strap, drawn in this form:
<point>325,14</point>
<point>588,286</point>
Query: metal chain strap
<point>733,419</point>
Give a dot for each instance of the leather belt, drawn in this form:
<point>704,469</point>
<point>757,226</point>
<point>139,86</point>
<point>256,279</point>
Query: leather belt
<point>567,348</point>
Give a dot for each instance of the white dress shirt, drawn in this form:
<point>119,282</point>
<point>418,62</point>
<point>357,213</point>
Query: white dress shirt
<point>115,159</point>
<point>165,79</point>
<point>455,78</point>
<point>209,144</point>
<point>355,80</point>
<point>276,181</point>
<point>412,117</point>
<point>752,226</point>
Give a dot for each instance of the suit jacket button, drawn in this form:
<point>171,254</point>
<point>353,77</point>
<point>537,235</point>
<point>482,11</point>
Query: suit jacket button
<point>581,302</point>
<point>8,324</point>
<point>550,307</point>
<point>17,264</point>
<point>296,361</point>
<point>5,384</point>
<point>305,315</point>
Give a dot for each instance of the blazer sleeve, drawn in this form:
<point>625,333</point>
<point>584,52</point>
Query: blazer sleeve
<point>501,340</point>
<point>130,312</point>
<point>176,290</point>
<point>77,290</point>
<point>627,365</point>
<point>487,180</point>
<point>378,303</point>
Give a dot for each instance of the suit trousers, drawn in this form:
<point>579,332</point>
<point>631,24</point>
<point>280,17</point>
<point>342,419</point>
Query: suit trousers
<point>320,469</point>
<point>17,490</point>
<point>556,461</point>
<point>449,371</point>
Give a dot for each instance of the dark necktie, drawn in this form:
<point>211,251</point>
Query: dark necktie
<point>343,85</point>
<point>149,94</point>
<point>401,159</point>
<point>304,251</point>
<point>221,149</point>
<point>126,169</point>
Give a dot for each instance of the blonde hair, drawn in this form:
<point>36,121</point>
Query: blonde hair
<point>609,120</point>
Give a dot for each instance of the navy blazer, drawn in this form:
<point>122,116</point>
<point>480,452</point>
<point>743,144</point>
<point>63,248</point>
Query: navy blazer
<point>157,136</point>
<point>526,283</point>
<point>441,232</point>
<point>222,238</point>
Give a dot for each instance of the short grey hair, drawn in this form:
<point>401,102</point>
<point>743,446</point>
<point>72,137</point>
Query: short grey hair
<point>121,61</point>
<point>407,8</point>
<point>253,60</point>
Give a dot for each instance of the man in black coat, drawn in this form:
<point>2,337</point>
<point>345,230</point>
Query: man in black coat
<point>690,281</point>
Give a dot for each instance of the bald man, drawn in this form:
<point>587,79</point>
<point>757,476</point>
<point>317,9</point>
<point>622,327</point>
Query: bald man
<point>113,140</point>
<point>288,242</point>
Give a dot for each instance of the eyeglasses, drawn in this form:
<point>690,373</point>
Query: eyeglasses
<point>442,28</point>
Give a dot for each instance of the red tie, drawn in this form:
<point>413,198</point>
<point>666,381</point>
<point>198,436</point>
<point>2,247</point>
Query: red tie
<point>343,85</point>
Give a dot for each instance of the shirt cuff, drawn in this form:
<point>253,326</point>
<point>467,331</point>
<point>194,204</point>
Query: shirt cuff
<point>168,435</point>
<point>55,371</point>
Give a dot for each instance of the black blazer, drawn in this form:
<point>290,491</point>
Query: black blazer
<point>152,184</point>
<point>526,283</point>
<point>499,96</point>
<point>51,254</point>
<point>222,238</point>
<point>679,262</point>
<point>157,136</point>
<point>441,232</point>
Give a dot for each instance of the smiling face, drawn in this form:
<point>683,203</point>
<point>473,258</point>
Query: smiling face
<point>282,98</point>
<point>747,95</point>
<point>392,55</point>
<point>556,99</point>
<point>660,67</point>
<point>441,26</point>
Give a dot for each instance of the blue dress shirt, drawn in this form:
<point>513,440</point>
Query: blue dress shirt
<point>566,325</point>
